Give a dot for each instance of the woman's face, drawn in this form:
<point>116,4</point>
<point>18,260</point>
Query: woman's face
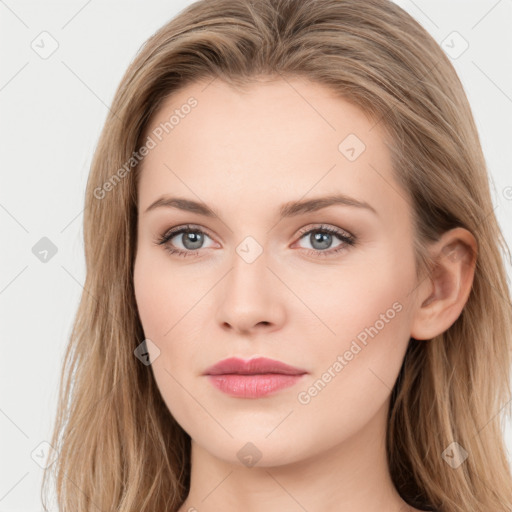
<point>262,277</point>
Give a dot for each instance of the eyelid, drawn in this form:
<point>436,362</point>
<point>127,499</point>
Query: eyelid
<point>180,229</point>
<point>185,227</point>
<point>325,227</point>
<point>310,227</point>
<point>346,238</point>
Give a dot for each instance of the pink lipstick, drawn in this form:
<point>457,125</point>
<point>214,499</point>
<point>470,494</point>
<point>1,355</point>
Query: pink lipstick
<point>254,378</point>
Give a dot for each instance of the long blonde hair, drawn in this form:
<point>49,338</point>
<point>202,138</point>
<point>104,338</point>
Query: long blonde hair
<point>119,448</point>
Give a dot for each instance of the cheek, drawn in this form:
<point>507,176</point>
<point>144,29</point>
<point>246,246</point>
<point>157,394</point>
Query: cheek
<point>162,310</point>
<point>148,294</point>
<point>357,366</point>
<point>351,298</point>
<point>170,310</point>
<point>161,296</point>
<point>354,374</point>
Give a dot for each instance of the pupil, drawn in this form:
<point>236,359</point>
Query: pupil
<point>193,240</point>
<point>323,238</point>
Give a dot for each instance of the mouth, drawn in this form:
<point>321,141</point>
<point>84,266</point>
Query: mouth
<point>254,378</point>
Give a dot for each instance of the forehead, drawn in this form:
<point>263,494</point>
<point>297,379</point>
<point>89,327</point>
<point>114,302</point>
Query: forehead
<point>280,138</point>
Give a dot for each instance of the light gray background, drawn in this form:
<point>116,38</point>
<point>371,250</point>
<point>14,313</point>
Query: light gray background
<point>52,111</point>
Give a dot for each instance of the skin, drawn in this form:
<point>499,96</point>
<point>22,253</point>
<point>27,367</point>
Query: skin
<point>244,154</point>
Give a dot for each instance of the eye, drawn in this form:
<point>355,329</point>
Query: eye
<point>190,237</point>
<point>321,238</point>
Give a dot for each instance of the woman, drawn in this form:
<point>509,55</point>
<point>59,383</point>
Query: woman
<point>216,361</point>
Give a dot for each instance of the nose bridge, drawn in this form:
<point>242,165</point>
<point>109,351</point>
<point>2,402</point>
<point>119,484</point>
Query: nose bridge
<point>248,298</point>
<point>249,269</point>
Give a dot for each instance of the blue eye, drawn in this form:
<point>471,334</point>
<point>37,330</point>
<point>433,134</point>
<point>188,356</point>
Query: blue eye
<point>322,236</point>
<point>193,238</point>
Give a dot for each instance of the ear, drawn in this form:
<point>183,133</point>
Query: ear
<point>444,292</point>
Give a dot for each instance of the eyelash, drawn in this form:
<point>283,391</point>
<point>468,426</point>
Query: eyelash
<point>348,241</point>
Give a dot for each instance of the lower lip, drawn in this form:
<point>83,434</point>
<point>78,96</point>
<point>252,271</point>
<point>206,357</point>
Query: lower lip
<point>253,386</point>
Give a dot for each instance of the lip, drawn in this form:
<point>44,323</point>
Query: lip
<point>253,378</point>
<point>255,366</point>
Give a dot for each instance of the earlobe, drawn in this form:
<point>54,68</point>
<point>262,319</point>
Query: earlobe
<point>445,291</point>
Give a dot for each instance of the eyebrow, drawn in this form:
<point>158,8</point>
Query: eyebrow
<point>290,209</point>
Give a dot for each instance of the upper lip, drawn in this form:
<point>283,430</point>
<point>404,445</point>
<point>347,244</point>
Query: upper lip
<point>254,366</point>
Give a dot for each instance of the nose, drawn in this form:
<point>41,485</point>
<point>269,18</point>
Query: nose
<point>251,298</point>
